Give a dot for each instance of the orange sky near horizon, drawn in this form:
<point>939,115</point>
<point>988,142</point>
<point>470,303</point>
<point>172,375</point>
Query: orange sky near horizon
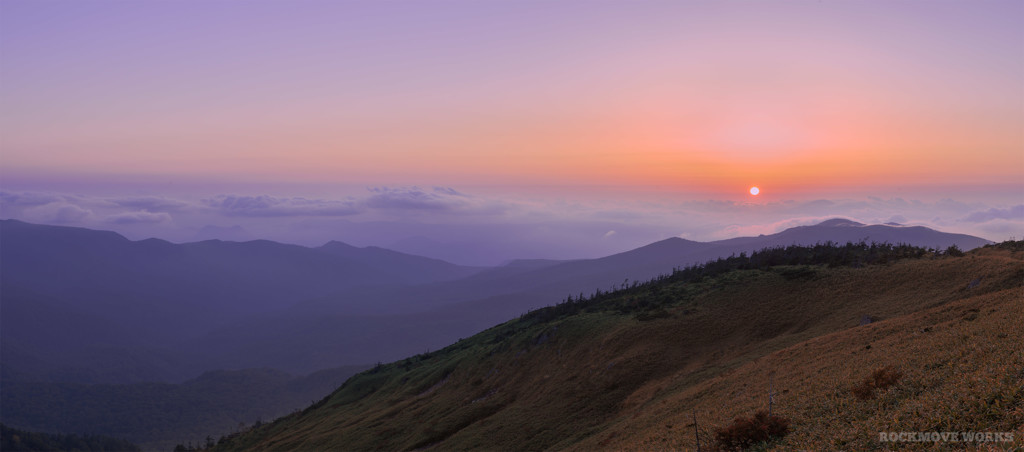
<point>795,97</point>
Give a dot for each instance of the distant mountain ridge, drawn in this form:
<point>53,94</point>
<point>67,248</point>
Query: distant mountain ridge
<point>102,291</point>
<point>415,269</point>
<point>152,293</point>
<point>83,307</point>
<point>414,319</point>
<point>669,364</point>
<point>842,230</point>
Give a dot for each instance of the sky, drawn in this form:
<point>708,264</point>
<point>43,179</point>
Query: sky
<point>485,131</point>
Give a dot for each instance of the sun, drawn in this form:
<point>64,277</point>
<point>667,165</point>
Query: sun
<point>754,191</point>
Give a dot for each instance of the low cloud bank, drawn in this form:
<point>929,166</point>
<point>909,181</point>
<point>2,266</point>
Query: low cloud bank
<point>485,230</point>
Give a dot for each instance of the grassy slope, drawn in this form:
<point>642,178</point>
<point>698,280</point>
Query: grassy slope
<point>608,380</point>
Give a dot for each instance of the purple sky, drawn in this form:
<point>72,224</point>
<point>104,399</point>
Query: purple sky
<point>484,131</point>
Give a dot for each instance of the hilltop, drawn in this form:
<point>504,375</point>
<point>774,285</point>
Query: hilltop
<point>631,369</point>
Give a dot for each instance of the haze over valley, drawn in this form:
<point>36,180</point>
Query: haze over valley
<point>84,308</point>
<point>507,225</point>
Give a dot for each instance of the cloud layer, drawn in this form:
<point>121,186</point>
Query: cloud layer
<point>270,206</point>
<point>448,223</point>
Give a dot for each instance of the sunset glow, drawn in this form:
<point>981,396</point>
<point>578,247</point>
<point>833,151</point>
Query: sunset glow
<point>640,103</point>
<point>761,99</point>
<point>215,212</point>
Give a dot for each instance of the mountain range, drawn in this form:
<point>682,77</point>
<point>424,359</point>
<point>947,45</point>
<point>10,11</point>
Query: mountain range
<point>83,307</point>
<point>91,306</point>
<point>70,292</point>
<point>806,348</point>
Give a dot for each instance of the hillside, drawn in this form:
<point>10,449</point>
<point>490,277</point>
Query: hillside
<point>89,306</point>
<point>384,324</point>
<point>90,314</point>
<point>631,369</point>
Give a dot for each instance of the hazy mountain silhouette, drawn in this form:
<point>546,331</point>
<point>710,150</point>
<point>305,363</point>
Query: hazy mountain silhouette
<point>411,320</point>
<point>234,233</point>
<point>84,305</point>
<point>670,364</point>
<point>413,269</point>
<point>68,291</point>
<point>842,231</point>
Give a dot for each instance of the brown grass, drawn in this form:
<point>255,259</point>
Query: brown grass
<point>880,379</point>
<point>746,432</point>
<point>959,375</point>
<point>610,381</point>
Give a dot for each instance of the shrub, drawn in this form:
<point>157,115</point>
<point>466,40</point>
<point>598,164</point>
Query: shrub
<point>744,433</point>
<point>880,379</point>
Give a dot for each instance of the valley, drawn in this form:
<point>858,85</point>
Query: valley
<point>77,341</point>
<point>612,374</point>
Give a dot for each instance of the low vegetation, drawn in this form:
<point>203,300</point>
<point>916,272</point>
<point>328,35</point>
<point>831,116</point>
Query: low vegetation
<point>792,263</point>
<point>747,432</point>
<point>879,380</point>
<point>663,364</point>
